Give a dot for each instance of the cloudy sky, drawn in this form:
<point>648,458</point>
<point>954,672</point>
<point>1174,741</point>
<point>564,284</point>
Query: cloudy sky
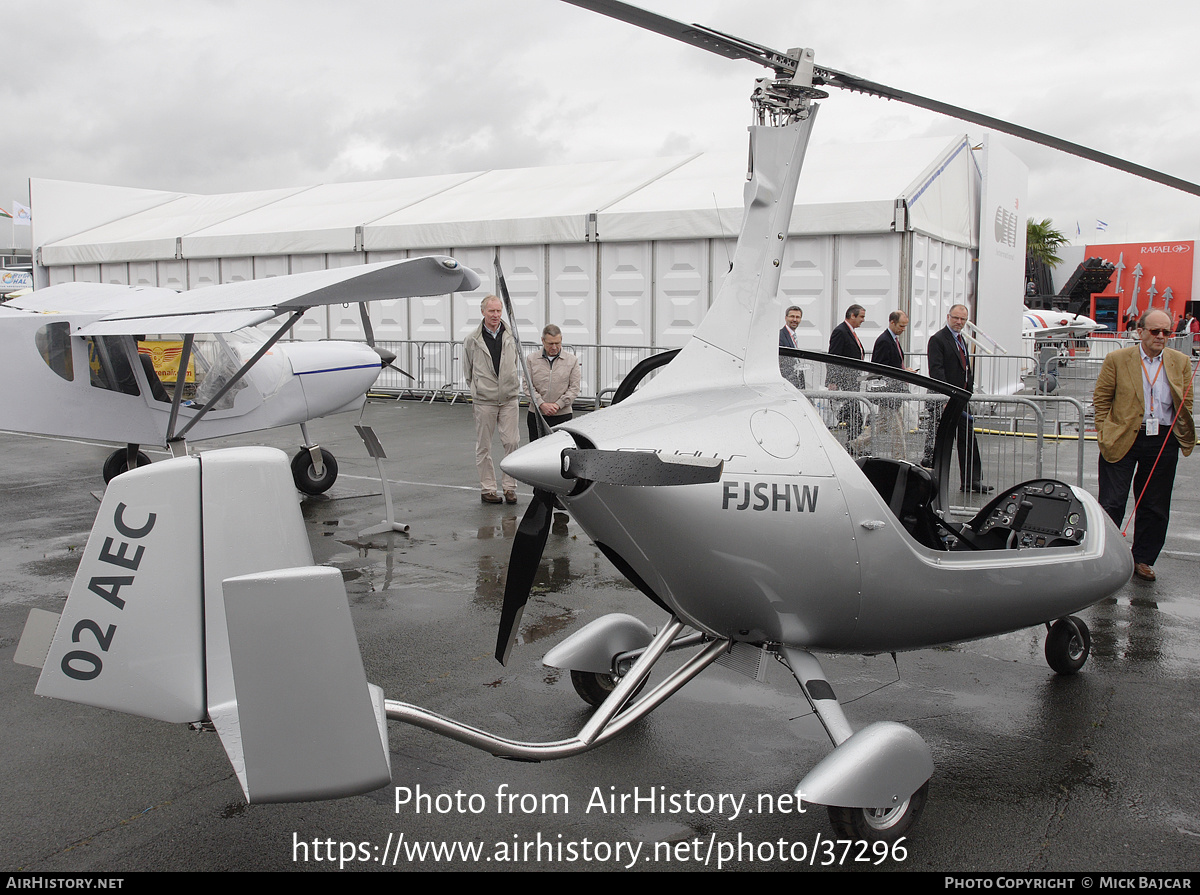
<point>216,96</point>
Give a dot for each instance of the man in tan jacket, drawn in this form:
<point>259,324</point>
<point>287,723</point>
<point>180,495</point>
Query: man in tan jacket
<point>555,375</point>
<point>1140,426</point>
<point>490,367</point>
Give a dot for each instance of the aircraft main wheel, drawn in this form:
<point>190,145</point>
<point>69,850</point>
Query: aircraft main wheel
<point>593,687</point>
<point>118,462</point>
<point>879,824</point>
<point>306,477</point>
<point>1066,652</point>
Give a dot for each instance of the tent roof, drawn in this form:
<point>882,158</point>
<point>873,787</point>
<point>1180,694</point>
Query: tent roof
<point>845,188</point>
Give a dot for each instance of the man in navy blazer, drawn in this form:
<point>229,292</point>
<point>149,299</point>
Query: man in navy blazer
<point>787,333</point>
<point>843,342</point>
<point>949,362</point>
<point>887,350</point>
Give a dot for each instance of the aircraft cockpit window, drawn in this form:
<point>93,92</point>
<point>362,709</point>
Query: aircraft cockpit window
<point>217,361</point>
<point>53,343</point>
<point>110,366</point>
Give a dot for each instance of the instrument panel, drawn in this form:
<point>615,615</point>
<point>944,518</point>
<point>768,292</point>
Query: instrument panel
<point>1038,513</point>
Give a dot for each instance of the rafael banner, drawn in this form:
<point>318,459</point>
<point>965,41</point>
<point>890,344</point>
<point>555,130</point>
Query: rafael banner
<point>1147,275</point>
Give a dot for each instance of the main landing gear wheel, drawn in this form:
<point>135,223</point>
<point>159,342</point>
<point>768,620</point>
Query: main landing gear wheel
<point>879,824</point>
<point>118,462</point>
<point>1066,650</point>
<point>306,477</point>
<point>593,687</point>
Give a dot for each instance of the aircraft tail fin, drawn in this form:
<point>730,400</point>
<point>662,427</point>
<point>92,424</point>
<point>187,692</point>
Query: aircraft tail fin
<point>196,600</point>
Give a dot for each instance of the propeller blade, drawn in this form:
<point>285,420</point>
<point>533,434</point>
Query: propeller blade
<point>639,467</point>
<point>368,330</point>
<point>543,426</point>
<point>385,357</point>
<point>402,372</point>
<point>523,563</point>
<point>785,66</point>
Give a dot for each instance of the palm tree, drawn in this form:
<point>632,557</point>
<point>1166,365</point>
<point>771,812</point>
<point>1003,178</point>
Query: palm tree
<point>1042,242</point>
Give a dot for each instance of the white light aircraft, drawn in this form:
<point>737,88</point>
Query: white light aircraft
<point>84,355</point>
<point>1046,325</point>
<point>730,497</point>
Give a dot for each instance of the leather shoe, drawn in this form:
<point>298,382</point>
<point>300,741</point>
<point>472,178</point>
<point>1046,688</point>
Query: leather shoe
<point>490,497</point>
<point>510,496</point>
<point>1145,572</point>
<point>978,489</point>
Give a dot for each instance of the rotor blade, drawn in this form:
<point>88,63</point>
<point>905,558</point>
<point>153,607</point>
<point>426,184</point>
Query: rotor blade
<point>640,467</point>
<point>697,35</point>
<point>861,85</point>
<point>785,66</point>
<point>523,563</point>
<point>543,426</point>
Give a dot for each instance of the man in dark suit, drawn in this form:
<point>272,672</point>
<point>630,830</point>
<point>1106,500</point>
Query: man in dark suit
<point>843,342</point>
<point>792,368</point>
<point>887,350</point>
<point>787,333</point>
<point>950,363</point>
<point>889,434</point>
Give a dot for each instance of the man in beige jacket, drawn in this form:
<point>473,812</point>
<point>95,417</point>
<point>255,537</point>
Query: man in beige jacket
<point>1141,427</point>
<point>490,367</point>
<point>555,375</point>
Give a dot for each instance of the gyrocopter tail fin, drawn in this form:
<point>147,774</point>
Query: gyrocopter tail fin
<point>197,600</point>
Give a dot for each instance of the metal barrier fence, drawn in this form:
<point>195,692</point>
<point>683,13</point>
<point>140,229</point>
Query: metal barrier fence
<point>1017,437</point>
<point>436,368</point>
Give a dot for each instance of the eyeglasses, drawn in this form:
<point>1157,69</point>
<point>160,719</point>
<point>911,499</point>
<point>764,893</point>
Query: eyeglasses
<point>1158,332</point>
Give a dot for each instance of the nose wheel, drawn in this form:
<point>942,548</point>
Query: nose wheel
<point>879,824</point>
<point>119,461</point>
<point>308,479</point>
<point>1068,645</point>
<point>593,687</point>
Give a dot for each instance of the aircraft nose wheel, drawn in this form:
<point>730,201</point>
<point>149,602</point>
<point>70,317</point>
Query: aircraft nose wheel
<point>305,475</point>
<point>593,687</point>
<point>1068,645</point>
<point>118,462</point>
<point>879,824</point>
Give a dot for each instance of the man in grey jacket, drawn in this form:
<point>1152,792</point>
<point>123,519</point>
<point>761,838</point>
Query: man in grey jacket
<point>490,366</point>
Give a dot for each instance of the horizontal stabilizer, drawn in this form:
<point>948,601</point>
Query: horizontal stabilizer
<point>308,727</point>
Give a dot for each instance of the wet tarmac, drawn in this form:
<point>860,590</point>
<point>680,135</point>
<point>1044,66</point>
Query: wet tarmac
<point>1034,772</point>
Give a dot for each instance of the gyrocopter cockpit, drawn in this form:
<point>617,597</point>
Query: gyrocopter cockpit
<point>900,429</point>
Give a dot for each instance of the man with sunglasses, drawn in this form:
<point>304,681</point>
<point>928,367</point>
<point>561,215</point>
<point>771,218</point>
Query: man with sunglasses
<point>1142,430</point>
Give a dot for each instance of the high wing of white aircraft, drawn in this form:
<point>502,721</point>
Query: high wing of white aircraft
<point>96,360</point>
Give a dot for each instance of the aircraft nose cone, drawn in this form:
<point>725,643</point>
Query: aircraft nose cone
<point>385,356</point>
<point>539,463</point>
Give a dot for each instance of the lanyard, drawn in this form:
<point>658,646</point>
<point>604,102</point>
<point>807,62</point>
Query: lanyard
<point>1149,381</point>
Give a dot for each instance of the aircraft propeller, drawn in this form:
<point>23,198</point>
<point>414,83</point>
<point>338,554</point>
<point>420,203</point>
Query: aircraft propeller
<point>386,357</point>
<point>558,466</point>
